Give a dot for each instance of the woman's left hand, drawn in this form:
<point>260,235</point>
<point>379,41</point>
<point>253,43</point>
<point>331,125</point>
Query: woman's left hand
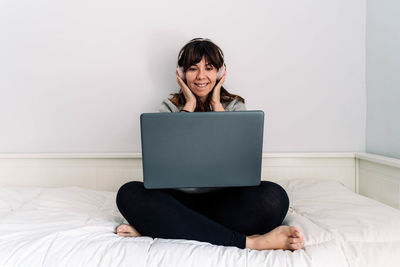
<point>216,95</point>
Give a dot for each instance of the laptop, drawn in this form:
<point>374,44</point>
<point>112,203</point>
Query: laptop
<point>202,149</point>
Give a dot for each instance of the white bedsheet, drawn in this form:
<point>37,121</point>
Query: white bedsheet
<point>75,227</point>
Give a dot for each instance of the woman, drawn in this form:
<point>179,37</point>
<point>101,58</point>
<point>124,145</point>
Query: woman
<point>245,217</point>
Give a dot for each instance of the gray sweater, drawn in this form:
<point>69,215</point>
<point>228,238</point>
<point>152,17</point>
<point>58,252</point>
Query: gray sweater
<point>235,105</point>
<point>168,106</point>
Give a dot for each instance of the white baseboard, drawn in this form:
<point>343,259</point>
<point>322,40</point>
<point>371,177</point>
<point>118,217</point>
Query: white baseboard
<point>110,171</point>
<point>379,178</point>
<point>371,175</point>
<point>325,166</point>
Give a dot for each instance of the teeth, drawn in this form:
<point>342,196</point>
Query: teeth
<point>201,85</point>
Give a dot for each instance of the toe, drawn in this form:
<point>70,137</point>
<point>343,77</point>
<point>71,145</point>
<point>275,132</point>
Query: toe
<point>122,234</point>
<point>296,246</point>
<point>128,234</point>
<point>123,228</point>
<point>295,231</point>
<point>295,240</point>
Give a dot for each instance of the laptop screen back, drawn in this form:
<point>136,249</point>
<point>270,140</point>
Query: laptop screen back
<point>202,149</point>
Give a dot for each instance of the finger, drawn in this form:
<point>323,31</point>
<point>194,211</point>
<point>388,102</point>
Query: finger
<point>179,79</point>
<point>224,76</point>
<point>222,79</point>
<point>220,83</point>
<point>182,84</point>
<point>177,74</point>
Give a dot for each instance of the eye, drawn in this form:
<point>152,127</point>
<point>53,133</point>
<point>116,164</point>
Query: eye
<point>209,67</point>
<point>191,69</point>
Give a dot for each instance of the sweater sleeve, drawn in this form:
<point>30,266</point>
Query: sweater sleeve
<point>168,106</point>
<point>235,105</point>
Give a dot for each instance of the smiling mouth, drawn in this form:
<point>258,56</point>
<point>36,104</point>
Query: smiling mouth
<point>201,85</point>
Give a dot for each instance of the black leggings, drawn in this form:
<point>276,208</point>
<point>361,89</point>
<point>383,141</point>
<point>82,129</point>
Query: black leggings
<point>224,217</point>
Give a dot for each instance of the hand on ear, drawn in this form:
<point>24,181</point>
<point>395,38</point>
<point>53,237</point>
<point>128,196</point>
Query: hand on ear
<point>181,73</point>
<point>221,72</point>
<point>189,96</point>
<point>216,94</point>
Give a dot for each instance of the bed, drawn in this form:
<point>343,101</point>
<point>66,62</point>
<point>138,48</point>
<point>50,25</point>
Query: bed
<point>74,226</point>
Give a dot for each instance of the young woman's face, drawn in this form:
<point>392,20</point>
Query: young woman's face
<point>201,78</point>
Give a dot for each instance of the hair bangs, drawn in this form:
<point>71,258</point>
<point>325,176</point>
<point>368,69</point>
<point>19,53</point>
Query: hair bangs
<point>193,52</point>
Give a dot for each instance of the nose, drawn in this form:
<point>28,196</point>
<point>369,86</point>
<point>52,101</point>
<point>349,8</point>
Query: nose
<point>201,74</point>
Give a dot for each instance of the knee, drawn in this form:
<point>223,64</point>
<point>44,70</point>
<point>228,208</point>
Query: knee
<point>134,186</point>
<point>129,191</point>
<point>270,202</point>
<point>275,193</point>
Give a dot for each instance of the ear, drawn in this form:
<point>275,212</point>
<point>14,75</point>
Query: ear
<point>181,73</point>
<point>221,72</point>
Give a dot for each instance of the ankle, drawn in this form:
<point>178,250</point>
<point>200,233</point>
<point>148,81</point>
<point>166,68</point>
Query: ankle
<point>251,242</point>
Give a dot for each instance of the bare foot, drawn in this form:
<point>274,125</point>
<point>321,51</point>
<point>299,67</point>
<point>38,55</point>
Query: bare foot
<point>282,237</point>
<point>127,230</point>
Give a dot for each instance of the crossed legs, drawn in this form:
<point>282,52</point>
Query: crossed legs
<point>240,216</point>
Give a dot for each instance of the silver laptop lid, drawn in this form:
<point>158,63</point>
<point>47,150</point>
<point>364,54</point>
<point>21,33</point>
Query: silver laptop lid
<point>202,149</point>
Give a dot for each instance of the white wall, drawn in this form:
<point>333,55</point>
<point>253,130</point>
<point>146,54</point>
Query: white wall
<point>76,75</point>
<point>383,78</point>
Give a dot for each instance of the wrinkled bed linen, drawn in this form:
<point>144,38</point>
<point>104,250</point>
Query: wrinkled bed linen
<point>75,227</point>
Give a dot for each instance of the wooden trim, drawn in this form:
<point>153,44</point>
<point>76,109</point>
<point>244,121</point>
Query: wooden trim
<point>379,178</point>
<point>379,159</point>
<point>310,155</point>
<point>374,176</point>
<point>70,155</point>
<point>139,155</point>
<point>357,175</point>
<point>108,171</point>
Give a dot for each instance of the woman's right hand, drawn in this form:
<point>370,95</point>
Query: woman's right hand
<point>189,96</point>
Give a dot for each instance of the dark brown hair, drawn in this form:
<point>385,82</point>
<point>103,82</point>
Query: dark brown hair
<point>191,54</point>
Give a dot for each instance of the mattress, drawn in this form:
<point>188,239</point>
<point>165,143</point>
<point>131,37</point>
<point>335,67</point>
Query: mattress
<point>75,227</point>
